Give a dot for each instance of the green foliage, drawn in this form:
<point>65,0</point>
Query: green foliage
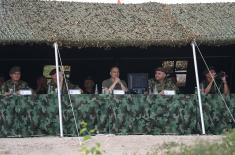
<point>116,114</point>
<point>95,150</point>
<point>224,147</point>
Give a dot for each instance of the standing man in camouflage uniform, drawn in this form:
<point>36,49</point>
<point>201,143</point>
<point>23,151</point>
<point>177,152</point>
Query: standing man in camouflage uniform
<point>15,84</point>
<point>160,82</point>
<point>52,85</point>
<point>114,82</point>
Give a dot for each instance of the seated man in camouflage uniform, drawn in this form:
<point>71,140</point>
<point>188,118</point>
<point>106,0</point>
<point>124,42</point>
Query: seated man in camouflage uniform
<point>89,85</point>
<point>13,85</point>
<point>41,85</point>
<point>160,82</point>
<point>52,85</point>
<point>114,82</point>
<point>208,85</point>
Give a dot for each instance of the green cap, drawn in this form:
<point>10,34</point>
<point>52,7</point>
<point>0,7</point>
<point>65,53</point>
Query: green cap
<point>15,69</point>
<point>161,69</point>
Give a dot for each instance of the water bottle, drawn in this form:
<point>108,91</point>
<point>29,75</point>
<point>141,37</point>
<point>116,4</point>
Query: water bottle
<point>149,91</point>
<point>96,89</point>
<point>155,91</point>
<point>49,89</point>
<point>103,91</point>
<point>195,92</point>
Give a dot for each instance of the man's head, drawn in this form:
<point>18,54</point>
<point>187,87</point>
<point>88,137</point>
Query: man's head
<point>209,74</point>
<point>114,72</point>
<point>89,83</point>
<point>53,75</point>
<point>15,73</point>
<point>160,73</point>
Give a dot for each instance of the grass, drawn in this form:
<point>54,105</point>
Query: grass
<point>225,147</point>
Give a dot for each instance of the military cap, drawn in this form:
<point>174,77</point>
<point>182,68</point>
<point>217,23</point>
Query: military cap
<point>15,69</point>
<point>161,69</point>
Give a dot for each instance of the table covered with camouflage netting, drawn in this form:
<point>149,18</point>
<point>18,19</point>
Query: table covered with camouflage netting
<point>116,114</point>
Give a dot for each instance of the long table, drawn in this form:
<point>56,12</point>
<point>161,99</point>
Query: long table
<point>114,114</point>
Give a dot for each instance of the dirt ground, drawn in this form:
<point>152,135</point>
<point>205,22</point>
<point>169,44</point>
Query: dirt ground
<point>111,144</point>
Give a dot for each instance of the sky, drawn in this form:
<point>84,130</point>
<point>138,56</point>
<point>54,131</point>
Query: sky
<point>144,1</point>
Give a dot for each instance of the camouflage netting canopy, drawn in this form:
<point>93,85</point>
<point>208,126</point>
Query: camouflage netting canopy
<point>111,25</point>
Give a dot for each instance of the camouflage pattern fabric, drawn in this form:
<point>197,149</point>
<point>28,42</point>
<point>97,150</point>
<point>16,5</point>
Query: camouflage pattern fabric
<point>167,84</point>
<point>116,114</point>
<point>52,87</point>
<point>10,86</point>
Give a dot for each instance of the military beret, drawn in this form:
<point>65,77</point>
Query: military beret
<point>52,72</point>
<point>15,69</point>
<point>161,69</point>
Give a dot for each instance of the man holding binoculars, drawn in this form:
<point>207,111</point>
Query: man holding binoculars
<point>208,85</point>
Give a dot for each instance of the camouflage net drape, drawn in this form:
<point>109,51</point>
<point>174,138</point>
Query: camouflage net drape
<point>128,114</point>
<point>87,25</point>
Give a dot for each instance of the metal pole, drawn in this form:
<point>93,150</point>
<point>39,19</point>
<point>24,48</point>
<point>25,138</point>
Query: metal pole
<point>58,88</point>
<point>198,87</point>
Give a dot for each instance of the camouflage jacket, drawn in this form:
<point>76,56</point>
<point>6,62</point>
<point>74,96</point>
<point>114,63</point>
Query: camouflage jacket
<point>168,84</point>
<point>10,86</point>
<point>52,87</point>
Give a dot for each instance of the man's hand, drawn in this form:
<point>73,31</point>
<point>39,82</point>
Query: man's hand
<point>7,93</point>
<point>162,93</point>
<point>224,77</point>
<point>213,75</point>
<point>61,76</point>
<point>117,80</point>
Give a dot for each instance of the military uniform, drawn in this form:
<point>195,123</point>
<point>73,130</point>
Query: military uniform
<point>42,90</point>
<point>167,84</point>
<point>52,87</point>
<point>213,89</point>
<point>219,82</point>
<point>107,83</point>
<point>13,87</point>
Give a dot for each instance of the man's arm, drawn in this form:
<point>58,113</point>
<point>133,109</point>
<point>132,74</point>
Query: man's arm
<point>113,85</point>
<point>4,89</point>
<point>171,86</point>
<point>25,85</point>
<point>105,86</point>
<point>123,85</point>
<point>208,88</point>
<point>226,87</point>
